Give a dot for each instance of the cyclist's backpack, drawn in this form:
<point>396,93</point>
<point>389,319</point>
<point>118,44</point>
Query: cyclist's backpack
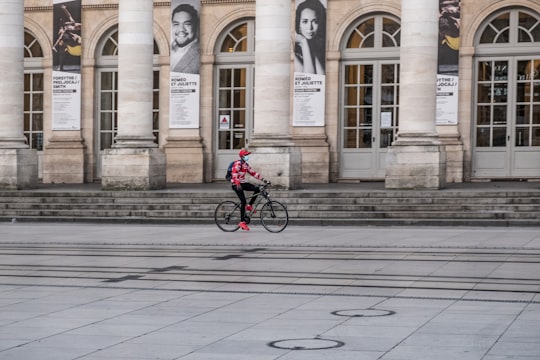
<point>228,176</point>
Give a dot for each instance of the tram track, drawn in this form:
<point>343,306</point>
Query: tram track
<point>331,270</point>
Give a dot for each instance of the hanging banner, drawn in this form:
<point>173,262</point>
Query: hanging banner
<point>448,62</point>
<point>185,63</point>
<point>309,63</point>
<point>66,75</point>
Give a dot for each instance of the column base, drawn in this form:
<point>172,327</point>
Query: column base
<point>415,166</point>
<point>63,161</point>
<point>18,169</point>
<point>278,161</point>
<point>315,158</point>
<point>185,160</point>
<point>454,158</point>
<point>133,169</point>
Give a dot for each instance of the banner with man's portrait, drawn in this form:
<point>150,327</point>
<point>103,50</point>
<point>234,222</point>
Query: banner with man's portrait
<point>309,63</point>
<point>185,60</point>
<point>66,75</point>
<point>448,62</point>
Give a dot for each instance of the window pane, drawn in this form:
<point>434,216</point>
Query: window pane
<point>240,77</point>
<point>522,136</point>
<point>225,76</point>
<point>536,114</point>
<point>499,115</point>
<point>350,117</point>
<point>501,70</point>
<point>484,93</point>
<point>225,140</point>
<point>37,122</point>
<point>351,74</point>
<point>350,139</point>
<point>37,102</point>
<point>106,101</point>
<point>388,75</point>
<point>106,81</point>
<point>522,114</point>
<point>483,115</point>
<point>366,117</point>
<point>535,136</point>
<point>106,121</point>
<point>37,82</point>
<point>351,96</point>
<point>239,98</point>
<point>500,92</point>
<point>499,137</point>
<point>387,95</point>
<point>365,138</point>
<point>366,95</point>
<point>386,138</point>
<point>482,137</point>
<point>106,140</point>
<point>224,98</point>
<point>366,74</point>
<point>238,140</point>
<point>484,71</point>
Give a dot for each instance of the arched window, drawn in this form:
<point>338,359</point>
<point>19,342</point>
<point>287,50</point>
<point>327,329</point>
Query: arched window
<point>369,100</point>
<point>507,105</point>
<point>33,92</point>
<point>512,27</point>
<point>375,32</point>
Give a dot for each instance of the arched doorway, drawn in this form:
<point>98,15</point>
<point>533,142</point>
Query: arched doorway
<point>33,95</point>
<point>506,126</point>
<point>369,95</point>
<point>234,85</point>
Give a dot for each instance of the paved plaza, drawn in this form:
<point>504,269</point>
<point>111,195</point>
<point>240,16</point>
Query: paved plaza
<point>125,291</point>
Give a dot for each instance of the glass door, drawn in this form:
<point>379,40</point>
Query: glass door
<point>507,118</point>
<point>370,117</point>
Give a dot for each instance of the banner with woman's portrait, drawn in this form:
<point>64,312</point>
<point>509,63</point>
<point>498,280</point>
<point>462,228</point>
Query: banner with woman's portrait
<point>309,63</point>
<point>66,76</point>
<point>185,60</point>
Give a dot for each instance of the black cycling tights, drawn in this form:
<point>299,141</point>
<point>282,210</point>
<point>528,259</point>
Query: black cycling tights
<point>242,197</point>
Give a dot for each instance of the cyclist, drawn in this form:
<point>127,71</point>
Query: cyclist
<point>239,184</point>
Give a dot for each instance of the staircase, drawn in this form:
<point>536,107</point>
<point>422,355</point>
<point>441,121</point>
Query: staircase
<point>330,204</point>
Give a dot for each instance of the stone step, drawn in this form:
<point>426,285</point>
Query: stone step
<point>484,208</point>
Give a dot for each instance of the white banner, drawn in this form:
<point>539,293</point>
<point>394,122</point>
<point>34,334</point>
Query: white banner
<point>309,99</point>
<point>447,99</point>
<point>185,64</point>
<point>184,101</point>
<point>66,94</point>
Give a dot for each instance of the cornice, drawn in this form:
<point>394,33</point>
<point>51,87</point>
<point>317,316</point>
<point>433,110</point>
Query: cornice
<point>156,4</point>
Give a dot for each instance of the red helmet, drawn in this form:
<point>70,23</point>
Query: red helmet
<point>243,153</point>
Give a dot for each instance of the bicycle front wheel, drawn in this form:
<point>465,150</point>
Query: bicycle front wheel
<point>227,216</point>
<point>274,216</point>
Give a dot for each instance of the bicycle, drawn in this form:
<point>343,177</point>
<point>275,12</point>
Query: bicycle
<point>273,214</point>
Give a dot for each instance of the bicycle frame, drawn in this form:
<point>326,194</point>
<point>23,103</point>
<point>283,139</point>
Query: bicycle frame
<point>273,214</point>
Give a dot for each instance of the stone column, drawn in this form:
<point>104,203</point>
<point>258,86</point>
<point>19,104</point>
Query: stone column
<point>18,163</point>
<point>416,160</point>
<point>134,162</point>
<point>275,155</point>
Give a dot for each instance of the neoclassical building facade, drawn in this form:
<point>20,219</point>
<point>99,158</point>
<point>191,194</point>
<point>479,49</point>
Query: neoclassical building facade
<point>379,120</point>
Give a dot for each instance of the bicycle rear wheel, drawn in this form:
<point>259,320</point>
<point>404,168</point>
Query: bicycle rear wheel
<point>274,216</point>
<point>227,216</point>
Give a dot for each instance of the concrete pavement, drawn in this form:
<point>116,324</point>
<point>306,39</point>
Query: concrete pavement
<point>117,291</point>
